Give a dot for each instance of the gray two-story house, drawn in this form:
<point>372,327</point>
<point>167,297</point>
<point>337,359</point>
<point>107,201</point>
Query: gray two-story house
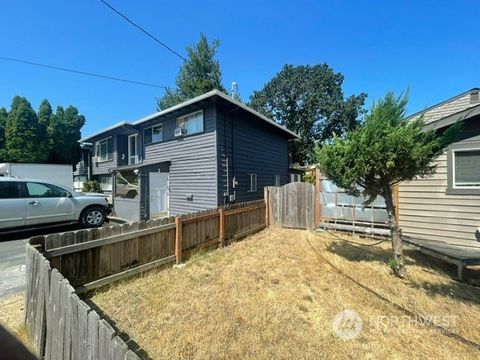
<point>206,152</point>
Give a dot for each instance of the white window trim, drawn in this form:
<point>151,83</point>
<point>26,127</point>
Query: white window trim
<point>275,177</point>
<point>454,185</point>
<point>182,119</point>
<point>97,150</point>
<point>136,157</point>
<point>150,129</point>
<point>250,178</point>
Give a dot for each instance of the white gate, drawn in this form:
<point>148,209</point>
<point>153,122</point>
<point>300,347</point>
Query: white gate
<point>159,197</point>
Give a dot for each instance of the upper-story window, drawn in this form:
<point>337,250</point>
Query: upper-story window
<point>191,123</point>
<point>103,150</point>
<point>153,134</point>
<point>466,168</point>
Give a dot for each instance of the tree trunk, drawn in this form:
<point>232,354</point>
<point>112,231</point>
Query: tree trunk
<point>398,264</point>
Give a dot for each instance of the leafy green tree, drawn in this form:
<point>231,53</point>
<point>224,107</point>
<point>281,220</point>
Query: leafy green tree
<point>308,100</point>
<point>199,74</point>
<point>22,140</point>
<point>3,124</point>
<point>64,131</point>
<point>386,150</point>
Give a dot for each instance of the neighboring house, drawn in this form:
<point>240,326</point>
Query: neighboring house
<point>446,206</point>
<point>200,154</point>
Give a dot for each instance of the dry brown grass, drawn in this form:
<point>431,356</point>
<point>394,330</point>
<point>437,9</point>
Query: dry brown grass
<point>11,316</point>
<point>273,296</point>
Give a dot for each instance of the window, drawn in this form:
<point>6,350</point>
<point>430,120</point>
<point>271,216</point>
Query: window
<point>253,182</point>
<point>466,168</point>
<point>295,178</point>
<point>276,180</point>
<point>103,149</point>
<point>133,148</point>
<point>38,190</point>
<point>192,123</point>
<point>153,134</point>
<point>105,182</point>
<point>8,190</point>
<point>126,184</point>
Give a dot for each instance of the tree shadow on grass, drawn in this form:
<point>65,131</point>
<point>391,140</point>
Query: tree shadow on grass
<point>453,289</point>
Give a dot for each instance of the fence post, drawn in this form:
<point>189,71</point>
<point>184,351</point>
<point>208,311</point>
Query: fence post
<point>178,239</point>
<point>222,226</point>
<point>267,206</point>
<point>318,191</point>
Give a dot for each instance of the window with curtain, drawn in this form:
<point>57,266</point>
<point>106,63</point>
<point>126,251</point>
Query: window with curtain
<point>103,149</point>
<point>466,168</point>
<point>192,123</point>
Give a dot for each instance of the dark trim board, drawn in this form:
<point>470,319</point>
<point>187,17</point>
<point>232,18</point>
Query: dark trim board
<point>462,256</point>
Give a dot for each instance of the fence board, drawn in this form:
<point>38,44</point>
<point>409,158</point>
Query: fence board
<point>292,205</point>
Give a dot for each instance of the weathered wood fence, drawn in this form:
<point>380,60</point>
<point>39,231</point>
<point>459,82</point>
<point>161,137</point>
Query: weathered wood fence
<point>60,324</point>
<point>62,266</point>
<point>292,205</point>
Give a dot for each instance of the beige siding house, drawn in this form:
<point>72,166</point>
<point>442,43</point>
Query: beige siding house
<point>446,206</point>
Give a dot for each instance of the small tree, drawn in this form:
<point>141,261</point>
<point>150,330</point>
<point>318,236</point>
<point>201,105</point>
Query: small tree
<point>386,150</point>
<point>199,74</point>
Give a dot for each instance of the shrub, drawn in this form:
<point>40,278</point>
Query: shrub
<point>92,186</point>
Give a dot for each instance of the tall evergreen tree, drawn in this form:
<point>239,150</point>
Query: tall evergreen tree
<point>199,74</point>
<point>3,123</point>
<point>45,114</point>
<point>64,133</point>
<point>22,140</point>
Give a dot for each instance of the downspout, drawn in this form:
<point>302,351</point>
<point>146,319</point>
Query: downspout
<point>233,154</point>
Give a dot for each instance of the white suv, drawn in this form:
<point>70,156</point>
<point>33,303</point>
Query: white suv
<point>29,203</point>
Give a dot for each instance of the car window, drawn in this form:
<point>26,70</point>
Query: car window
<point>38,190</point>
<point>9,190</point>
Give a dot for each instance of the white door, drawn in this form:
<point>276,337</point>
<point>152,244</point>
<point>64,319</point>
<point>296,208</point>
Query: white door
<point>158,194</point>
<point>12,206</point>
<point>47,203</point>
<point>133,150</point>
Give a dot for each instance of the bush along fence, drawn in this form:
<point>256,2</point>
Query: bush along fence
<point>61,267</point>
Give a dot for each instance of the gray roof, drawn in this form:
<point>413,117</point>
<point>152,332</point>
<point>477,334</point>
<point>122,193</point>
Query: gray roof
<point>190,102</point>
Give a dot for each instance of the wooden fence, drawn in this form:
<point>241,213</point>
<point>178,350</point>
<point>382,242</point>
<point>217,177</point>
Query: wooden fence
<point>292,205</point>
<point>60,267</point>
<point>60,324</point>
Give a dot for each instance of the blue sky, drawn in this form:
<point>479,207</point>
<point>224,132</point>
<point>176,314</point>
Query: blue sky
<point>431,47</point>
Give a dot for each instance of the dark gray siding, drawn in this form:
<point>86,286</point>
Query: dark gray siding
<point>102,167</point>
<point>252,147</point>
<point>193,169</point>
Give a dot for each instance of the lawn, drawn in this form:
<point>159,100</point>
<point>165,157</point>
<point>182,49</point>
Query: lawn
<point>275,295</point>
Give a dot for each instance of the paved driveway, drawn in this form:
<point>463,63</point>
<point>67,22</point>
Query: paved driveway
<point>12,256</point>
<point>12,267</point>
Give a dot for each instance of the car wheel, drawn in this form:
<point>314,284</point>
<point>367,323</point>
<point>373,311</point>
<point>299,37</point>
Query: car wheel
<point>93,217</point>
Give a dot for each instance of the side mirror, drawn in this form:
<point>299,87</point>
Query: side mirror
<point>69,194</point>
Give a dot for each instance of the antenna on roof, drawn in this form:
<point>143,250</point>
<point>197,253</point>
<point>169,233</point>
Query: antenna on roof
<point>234,90</point>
